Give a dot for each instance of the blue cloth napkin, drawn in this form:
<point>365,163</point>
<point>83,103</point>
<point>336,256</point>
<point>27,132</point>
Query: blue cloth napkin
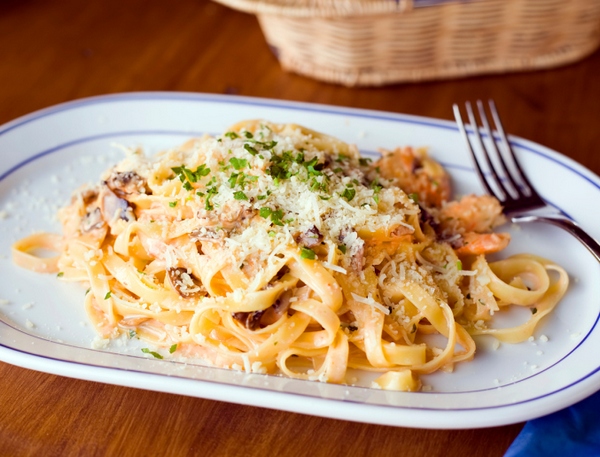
<point>574,431</point>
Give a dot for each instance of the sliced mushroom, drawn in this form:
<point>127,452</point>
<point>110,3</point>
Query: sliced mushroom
<point>92,220</point>
<point>251,320</point>
<point>310,238</point>
<point>114,207</point>
<point>278,309</point>
<point>124,183</point>
<point>208,234</point>
<point>184,283</point>
<point>357,261</point>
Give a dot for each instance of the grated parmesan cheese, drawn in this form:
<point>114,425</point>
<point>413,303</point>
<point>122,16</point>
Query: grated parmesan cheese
<point>371,302</point>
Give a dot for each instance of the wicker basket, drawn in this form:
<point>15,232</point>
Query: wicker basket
<point>376,42</point>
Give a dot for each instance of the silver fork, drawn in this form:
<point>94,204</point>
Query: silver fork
<point>506,180</point>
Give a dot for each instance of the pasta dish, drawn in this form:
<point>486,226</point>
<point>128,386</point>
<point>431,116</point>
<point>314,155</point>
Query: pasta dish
<point>273,248</point>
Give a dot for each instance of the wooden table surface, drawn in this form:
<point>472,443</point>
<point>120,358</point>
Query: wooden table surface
<point>59,50</point>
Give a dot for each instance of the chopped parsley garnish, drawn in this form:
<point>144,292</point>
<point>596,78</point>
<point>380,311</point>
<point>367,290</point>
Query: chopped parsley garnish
<point>60,274</point>
<point>313,167</point>
<point>306,253</point>
<point>458,265</point>
<point>239,195</point>
<point>240,179</point>
<point>348,193</point>
<point>250,149</point>
<point>274,215</point>
<point>316,185</point>
<point>238,164</point>
<point>188,176</point>
<point>342,248</point>
<point>376,189</point>
<point>132,334</point>
<point>173,348</point>
<point>248,135</point>
<point>173,204</point>
<point>108,294</point>
<point>156,355</point>
<point>208,206</point>
<point>365,161</point>
<point>232,135</point>
<point>281,164</point>
<point>414,197</point>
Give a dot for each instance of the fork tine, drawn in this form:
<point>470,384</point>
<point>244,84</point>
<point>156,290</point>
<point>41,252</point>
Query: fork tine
<point>530,190</point>
<point>498,153</point>
<point>467,141</point>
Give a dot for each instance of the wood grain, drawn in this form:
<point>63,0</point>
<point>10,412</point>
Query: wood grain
<point>59,50</point>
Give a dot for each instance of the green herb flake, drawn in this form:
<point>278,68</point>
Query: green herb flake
<point>156,355</point>
<point>239,195</point>
<point>108,295</point>
<point>248,135</point>
<point>458,265</point>
<point>348,193</point>
<point>238,164</point>
<point>342,248</point>
<point>275,215</point>
<point>306,253</point>
<point>173,204</point>
<point>173,348</point>
<point>365,161</point>
<point>232,135</point>
<point>202,170</point>
<point>265,212</point>
<point>414,197</point>
<point>250,149</point>
<point>60,274</point>
<point>132,334</point>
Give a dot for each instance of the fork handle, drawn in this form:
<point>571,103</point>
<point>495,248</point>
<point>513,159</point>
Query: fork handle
<point>566,224</point>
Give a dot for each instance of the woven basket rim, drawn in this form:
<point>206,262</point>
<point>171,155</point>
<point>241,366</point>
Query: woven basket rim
<point>320,8</point>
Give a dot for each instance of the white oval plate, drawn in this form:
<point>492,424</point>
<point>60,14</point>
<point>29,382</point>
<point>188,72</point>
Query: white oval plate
<point>47,154</point>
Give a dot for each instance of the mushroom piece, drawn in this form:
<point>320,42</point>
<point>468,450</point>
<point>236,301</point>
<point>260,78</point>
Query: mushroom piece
<point>208,234</point>
<point>251,320</point>
<point>92,220</point>
<point>124,183</point>
<point>184,283</point>
<point>114,207</point>
<point>254,319</point>
<point>310,238</point>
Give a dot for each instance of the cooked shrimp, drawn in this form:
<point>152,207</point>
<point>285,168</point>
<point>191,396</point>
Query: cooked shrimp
<point>469,221</point>
<point>416,173</point>
<point>482,243</point>
<point>471,213</point>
